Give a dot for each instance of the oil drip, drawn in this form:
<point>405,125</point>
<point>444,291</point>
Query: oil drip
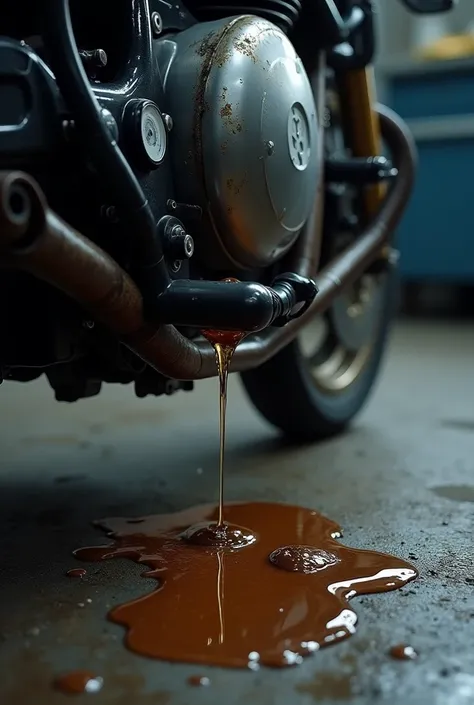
<point>78,682</point>
<point>403,652</point>
<point>233,596</point>
<point>199,681</point>
<point>224,344</point>
<point>228,607</point>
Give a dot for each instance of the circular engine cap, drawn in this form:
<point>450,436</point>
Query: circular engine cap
<point>254,131</point>
<point>146,132</point>
<point>153,132</point>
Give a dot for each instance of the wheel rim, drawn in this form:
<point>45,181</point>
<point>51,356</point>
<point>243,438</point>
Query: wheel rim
<point>338,346</point>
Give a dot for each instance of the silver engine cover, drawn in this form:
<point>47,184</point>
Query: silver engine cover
<point>244,143</point>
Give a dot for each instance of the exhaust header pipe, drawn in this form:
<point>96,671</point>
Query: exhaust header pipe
<point>33,238</point>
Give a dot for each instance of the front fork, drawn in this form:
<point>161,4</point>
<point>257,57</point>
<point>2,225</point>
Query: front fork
<point>361,126</point>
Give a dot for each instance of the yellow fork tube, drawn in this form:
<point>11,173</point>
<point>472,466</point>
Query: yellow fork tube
<point>357,91</point>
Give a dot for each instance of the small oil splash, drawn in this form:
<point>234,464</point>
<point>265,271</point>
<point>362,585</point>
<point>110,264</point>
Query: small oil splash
<point>78,682</point>
<point>403,652</point>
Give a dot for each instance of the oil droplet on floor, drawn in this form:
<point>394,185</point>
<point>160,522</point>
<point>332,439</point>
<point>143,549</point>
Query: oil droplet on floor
<point>218,605</point>
<point>302,559</point>
<point>78,682</point>
<point>199,681</point>
<point>403,652</point>
<point>223,536</point>
<point>76,573</point>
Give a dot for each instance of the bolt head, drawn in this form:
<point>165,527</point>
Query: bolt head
<point>188,246</point>
<point>156,24</point>
<point>270,147</point>
<point>101,58</point>
<point>168,120</point>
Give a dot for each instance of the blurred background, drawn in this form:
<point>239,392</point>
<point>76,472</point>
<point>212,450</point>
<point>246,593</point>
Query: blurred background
<point>425,71</point>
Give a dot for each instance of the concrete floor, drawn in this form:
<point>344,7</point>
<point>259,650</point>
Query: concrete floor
<point>63,466</point>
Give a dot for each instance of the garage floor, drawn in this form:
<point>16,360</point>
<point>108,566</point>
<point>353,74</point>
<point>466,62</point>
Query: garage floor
<point>402,481</point>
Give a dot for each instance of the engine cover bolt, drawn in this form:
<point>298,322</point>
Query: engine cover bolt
<point>94,59</point>
<point>177,243</point>
<point>180,244</point>
<point>156,23</point>
<point>168,120</point>
<point>270,147</point>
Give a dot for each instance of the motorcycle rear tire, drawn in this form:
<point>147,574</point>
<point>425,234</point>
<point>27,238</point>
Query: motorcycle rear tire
<point>283,389</point>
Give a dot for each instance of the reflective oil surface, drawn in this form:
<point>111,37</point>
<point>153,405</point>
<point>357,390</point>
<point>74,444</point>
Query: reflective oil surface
<point>270,602</point>
<point>76,573</point>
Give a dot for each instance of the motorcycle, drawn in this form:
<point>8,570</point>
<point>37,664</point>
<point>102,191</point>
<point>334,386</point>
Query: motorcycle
<point>152,149</point>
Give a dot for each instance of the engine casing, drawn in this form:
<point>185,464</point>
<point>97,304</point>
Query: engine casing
<point>244,143</point>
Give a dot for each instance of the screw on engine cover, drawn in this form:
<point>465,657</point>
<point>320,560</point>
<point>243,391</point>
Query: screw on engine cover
<point>156,23</point>
<point>176,266</point>
<point>109,212</point>
<point>168,120</point>
<point>172,205</point>
<point>270,147</point>
<point>110,123</point>
<point>93,61</point>
<point>68,129</point>
<point>188,246</point>
<point>88,324</point>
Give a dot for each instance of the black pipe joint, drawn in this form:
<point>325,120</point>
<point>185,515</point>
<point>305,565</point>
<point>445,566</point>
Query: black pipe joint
<point>245,306</point>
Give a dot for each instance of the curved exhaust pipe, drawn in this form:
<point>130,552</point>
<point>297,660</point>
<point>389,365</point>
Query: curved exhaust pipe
<point>33,238</point>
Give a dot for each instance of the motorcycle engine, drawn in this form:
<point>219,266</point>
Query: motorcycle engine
<point>215,116</point>
<point>244,144</point>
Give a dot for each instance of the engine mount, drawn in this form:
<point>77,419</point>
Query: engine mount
<point>244,143</point>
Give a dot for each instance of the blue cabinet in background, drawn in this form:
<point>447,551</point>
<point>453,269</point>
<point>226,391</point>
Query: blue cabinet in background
<point>436,236</point>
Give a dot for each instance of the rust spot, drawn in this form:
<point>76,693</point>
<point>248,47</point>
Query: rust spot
<point>247,46</point>
<point>235,186</point>
<point>206,45</point>
<point>226,111</point>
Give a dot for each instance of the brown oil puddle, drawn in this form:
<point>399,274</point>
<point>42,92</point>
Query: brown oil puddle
<point>235,607</point>
<point>246,584</point>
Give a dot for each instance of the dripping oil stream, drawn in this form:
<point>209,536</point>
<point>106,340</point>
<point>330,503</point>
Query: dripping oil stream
<point>288,580</point>
<point>224,344</point>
